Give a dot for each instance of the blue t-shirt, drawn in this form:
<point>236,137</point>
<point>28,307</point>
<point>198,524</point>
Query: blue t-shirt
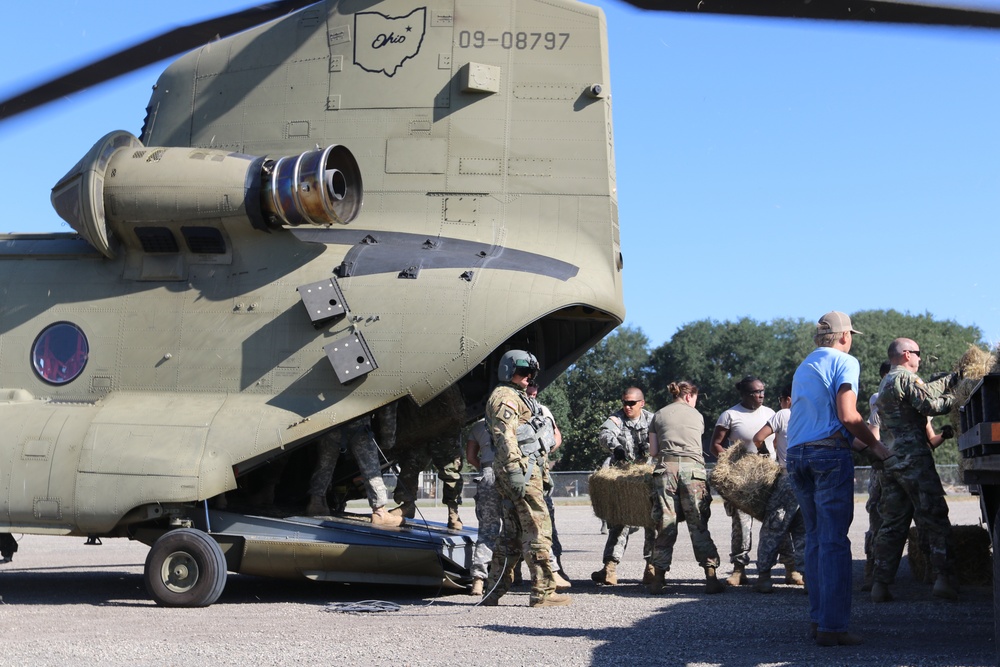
<point>814,395</point>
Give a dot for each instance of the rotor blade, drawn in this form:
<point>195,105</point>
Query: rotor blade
<point>178,40</point>
<point>878,11</point>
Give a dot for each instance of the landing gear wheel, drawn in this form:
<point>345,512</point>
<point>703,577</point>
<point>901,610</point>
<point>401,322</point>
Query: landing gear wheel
<point>185,568</point>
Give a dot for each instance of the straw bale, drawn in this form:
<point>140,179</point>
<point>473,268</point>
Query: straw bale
<point>745,479</point>
<point>973,365</point>
<point>970,547</point>
<point>621,495</point>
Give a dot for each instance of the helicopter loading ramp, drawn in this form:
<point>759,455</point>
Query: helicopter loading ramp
<point>343,549</point>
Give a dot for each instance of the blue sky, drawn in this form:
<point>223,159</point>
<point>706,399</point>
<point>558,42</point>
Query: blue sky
<point>766,168</point>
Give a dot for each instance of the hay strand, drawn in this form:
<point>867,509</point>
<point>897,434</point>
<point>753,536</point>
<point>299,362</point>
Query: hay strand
<point>970,547</point>
<point>621,495</point>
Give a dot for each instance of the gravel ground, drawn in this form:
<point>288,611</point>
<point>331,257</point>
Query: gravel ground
<point>64,603</point>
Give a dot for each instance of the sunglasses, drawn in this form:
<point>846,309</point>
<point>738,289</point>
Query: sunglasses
<point>631,404</point>
<point>916,352</point>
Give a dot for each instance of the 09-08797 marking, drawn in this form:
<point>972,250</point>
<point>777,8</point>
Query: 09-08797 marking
<point>550,41</point>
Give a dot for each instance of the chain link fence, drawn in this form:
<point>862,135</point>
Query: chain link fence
<point>571,486</point>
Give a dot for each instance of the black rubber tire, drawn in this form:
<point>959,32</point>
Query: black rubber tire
<point>185,568</point>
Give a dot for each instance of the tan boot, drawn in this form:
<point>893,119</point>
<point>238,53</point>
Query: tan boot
<point>317,506</point>
<point>764,583</point>
<point>477,588</point>
<point>943,588</point>
<point>407,510</point>
<point>454,521</point>
<point>659,581</point>
<point>561,582</point>
<point>551,600</point>
<point>739,576</point>
<point>608,575</point>
<point>794,577</point>
<point>712,583</point>
<point>380,517</point>
<point>649,574</point>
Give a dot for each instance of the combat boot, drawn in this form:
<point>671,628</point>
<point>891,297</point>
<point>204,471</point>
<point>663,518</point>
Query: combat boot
<point>649,574</point>
<point>880,592</point>
<point>866,584</point>
<point>764,583</point>
<point>608,575</point>
<point>659,581</point>
<point>477,587</point>
<point>739,576</point>
<point>794,577</point>
<point>712,583</point>
<point>317,506</point>
<point>551,600</point>
<point>407,509</point>
<point>837,639</point>
<point>380,517</point>
<point>943,588</point>
<point>454,521</point>
<point>560,582</point>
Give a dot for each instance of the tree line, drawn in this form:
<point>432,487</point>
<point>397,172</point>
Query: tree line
<point>715,355</point>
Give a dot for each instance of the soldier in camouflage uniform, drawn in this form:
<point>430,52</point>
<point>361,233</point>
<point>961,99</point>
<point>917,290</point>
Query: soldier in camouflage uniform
<point>626,435</point>
<point>526,528</point>
<point>681,486</point>
<point>911,488</point>
<point>783,521</point>
<point>479,452</point>
<point>357,435</point>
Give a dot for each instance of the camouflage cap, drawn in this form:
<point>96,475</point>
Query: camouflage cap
<point>835,322</point>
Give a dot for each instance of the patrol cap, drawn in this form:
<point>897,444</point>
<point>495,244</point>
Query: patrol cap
<point>835,322</point>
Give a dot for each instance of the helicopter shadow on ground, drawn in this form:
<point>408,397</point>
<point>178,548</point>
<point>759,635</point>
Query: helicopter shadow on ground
<point>732,629</point>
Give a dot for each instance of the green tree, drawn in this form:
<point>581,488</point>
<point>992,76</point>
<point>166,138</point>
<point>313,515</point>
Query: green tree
<point>590,390</point>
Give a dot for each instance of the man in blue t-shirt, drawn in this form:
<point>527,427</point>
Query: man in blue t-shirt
<point>824,418</point>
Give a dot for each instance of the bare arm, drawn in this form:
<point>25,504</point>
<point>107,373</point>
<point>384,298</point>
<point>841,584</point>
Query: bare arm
<point>719,436</point>
<point>558,437</point>
<point>472,453</point>
<point>847,412</point>
<point>763,434</point>
<point>654,444</point>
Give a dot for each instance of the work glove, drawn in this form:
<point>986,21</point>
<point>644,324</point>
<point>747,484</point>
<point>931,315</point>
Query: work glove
<point>947,431</point>
<point>954,379</point>
<point>517,483</point>
<point>619,454</point>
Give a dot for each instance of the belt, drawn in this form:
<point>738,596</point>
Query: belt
<point>838,442</point>
<point>673,458</point>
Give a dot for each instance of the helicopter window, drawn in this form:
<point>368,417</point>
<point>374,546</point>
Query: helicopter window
<point>156,239</point>
<point>204,240</point>
<point>60,353</point>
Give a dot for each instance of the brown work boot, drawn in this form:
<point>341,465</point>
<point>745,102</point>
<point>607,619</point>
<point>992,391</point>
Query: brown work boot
<point>560,581</point>
<point>866,584</point>
<point>659,581</point>
<point>649,574</point>
<point>739,576</point>
<point>608,575</point>
<point>838,639</point>
<point>490,601</point>
<point>764,583</point>
<point>794,577</point>
<point>880,592</point>
<point>477,587</point>
<point>943,588</point>
<point>712,583</point>
<point>406,509</point>
<point>317,506</point>
<point>454,521</point>
<point>380,517</point>
<point>551,600</point>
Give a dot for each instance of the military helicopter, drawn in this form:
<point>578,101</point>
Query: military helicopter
<point>333,207</point>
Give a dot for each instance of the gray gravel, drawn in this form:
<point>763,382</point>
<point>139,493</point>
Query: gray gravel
<point>64,603</point>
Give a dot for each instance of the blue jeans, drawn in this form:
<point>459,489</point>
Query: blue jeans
<point>823,479</point>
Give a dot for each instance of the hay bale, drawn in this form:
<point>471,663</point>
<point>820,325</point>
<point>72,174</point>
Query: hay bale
<point>621,495</point>
<point>745,480</point>
<point>970,547</point>
<point>973,365</point>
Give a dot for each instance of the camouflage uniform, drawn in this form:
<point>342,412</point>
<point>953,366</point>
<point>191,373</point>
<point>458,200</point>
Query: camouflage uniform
<point>487,504</point>
<point>527,528</point>
<point>682,488</point>
<point>911,488</point>
<point>358,436</point>
<point>617,431</point>
<point>782,520</point>
<point>446,455</point>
